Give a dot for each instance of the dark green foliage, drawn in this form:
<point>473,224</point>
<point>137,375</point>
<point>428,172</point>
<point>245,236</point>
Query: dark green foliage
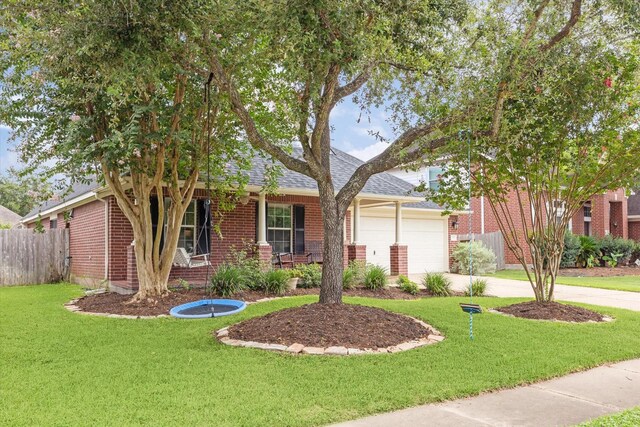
<point>310,275</point>
<point>251,269</point>
<point>375,277</point>
<point>227,280</point>
<point>616,248</point>
<point>478,286</point>
<point>407,285</point>
<point>589,252</point>
<point>353,275</point>
<point>276,281</point>
<point>438,284</point>
<point>570,251</point>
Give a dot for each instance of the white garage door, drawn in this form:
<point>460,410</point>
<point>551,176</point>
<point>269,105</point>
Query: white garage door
<point>424,238</point>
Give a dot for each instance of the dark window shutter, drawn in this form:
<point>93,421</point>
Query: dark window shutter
<point>154,218</point>
<point>298,227</point>
<point>204,228</point>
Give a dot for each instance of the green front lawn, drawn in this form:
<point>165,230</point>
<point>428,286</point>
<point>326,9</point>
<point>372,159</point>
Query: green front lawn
<point>630,418</point>
<point>619,283</point>
<point>63,368</point>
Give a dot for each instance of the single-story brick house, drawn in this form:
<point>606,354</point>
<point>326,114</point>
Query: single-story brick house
<point>387,224</point>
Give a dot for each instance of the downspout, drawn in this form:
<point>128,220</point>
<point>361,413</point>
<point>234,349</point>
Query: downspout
<point>106,237</point>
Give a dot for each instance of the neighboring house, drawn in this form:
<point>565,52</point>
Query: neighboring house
<point>9,217</point>
<point>609,213</point>
<point>387,224</point>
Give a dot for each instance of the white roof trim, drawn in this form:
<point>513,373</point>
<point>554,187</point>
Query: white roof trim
<point>76,201</point>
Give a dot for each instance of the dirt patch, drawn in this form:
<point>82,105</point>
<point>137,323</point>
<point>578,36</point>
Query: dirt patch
<point>113,303</point>
<point>320,325</point>
<point>600,271</point>
<point>551,311</point>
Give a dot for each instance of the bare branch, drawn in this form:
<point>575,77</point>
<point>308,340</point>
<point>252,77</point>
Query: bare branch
<point>355,84</point>
<point>576,11</point>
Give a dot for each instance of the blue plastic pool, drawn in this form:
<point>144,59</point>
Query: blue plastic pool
<point>208,308</point>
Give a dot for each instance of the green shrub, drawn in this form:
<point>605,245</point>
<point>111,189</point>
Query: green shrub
<point>589,253</point>
<point>276,281</point>
<point>310,275</point>
<point>635,255</point>
<point>252,270</point>
<point>375,277</point>
<point>353,275</point>
<point>484,260</point>
<point>570,250</point>
<point>437,284</point>
<point>407,285</point>
<point>478,286</point>
<point>227,280</point>
<point>616,249</point>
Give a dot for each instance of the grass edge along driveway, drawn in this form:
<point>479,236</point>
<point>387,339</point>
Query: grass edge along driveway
<point>63,368</point>
<point>617,283</point>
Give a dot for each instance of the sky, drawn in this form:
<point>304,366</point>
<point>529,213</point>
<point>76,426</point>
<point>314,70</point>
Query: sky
<point>347,134</point>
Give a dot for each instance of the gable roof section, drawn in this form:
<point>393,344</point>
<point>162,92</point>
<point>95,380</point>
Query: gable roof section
<point>343,166</point>
<point>7,216</point>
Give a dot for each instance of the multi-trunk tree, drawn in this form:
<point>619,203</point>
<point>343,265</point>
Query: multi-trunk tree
<point>569,130</point>
<point>114,89</point>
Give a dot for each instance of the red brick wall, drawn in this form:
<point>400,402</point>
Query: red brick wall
<point>602,205</point>
<point>634,230</point>
<point>577,222</point>
<point>87,243</point>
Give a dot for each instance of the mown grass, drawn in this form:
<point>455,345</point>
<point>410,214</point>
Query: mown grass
<point>618,283</point>
<point>63,368</point>
<point>630,418</point>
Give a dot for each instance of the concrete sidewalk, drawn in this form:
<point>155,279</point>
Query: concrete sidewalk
<point>520,288</point>
<point>564,401</point>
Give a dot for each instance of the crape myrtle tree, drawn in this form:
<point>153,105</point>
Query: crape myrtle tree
<point>114,89</point>
<point>569,130</point>
<point>437,67</point>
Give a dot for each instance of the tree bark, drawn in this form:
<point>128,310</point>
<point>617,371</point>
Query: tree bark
<point>333,247</point>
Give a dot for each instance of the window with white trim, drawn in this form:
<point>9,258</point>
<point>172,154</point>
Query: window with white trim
<point>188,235</point>
<point>435,175</point>
<point>279,227</point>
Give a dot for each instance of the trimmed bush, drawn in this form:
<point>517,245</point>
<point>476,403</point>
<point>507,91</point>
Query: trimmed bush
<point>478,286</point>
<point>227,280</point>
<point>437,284</point>
<point>616,249</point>
<point>311,275</point>
<point>276,281</point>
<point>348,278</point>
<point>570,250</point>
<point>589,253</point>
<point>407,285</point>
<point>484,260</point>
<point>375,277</point>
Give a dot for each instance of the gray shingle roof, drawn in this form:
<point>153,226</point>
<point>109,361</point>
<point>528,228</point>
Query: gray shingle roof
<point>78,189</point>
<point>343,166</point>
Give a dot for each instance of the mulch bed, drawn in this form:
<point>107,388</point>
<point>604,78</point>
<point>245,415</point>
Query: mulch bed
<point>600,271</point>
<point>326,325</point>
<point>113,303</point>
<point>551,311</point>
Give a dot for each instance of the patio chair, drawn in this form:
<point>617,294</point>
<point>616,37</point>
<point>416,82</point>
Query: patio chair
<point>314,252</point>
<point>185,260</point>
<point>283,260</point>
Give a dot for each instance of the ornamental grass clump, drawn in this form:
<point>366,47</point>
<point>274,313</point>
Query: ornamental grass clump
<point>478,286</point>
<point>438,284</point>
<point>276,281</point>
<point>375,277</point>
<point>227,280</point>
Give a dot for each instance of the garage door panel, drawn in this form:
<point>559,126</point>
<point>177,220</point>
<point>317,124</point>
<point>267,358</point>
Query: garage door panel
<point>424,239</point>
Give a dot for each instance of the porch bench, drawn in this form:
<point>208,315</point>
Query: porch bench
<point>283,260</point>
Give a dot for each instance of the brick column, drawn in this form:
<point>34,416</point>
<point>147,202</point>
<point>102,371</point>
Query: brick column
<point>264,254</point>
<point>357,252</point>
<point>399,260</point>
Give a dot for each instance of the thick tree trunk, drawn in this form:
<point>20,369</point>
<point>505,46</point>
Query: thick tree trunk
<point>152,282</point>
<point>333,263</point>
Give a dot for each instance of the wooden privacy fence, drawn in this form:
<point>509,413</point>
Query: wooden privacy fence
<point>493,241</point>
<point>33,258</point>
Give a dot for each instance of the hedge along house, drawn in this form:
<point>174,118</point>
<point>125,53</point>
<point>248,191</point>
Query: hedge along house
<point>387,224</point>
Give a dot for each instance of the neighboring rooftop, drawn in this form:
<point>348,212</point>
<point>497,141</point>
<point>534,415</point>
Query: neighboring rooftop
<point>9,217</point>
<point>343,166</point>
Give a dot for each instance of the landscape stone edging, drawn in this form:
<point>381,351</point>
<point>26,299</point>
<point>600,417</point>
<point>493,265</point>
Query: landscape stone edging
<point>605,318</point>
<point>223,336</point>
<point>71,306</point>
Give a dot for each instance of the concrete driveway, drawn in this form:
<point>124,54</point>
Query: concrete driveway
<point>520,288</point>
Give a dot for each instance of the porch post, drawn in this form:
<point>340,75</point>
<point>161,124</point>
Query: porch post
<point>356,222</point>
<point>262,219</point>
<point>398,223</point>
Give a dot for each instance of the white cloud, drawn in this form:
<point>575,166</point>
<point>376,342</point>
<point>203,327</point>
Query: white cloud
<point>369,151</point>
